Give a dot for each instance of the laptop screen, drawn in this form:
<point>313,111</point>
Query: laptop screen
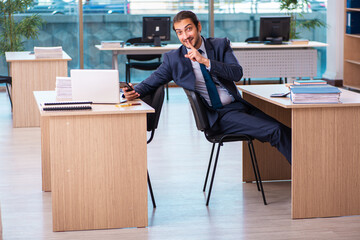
<point>96,85</point>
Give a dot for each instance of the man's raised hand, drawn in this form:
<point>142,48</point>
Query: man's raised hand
<point>195,56</point>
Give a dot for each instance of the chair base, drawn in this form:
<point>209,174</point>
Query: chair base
<point>253,161</point>
<point>7,81</point>
<point>151,191</point>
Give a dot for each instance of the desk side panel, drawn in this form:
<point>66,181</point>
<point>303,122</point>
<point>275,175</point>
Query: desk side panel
<point>45,154</point>
<point>29,76</point>
<point>326,166</point>
<point>260,63</point>
<point>98,171</point>
<point>272,164</point>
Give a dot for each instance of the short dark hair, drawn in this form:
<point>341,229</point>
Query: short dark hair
<point>184,15</point>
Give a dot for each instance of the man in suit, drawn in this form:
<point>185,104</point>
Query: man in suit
<point>209,67</point>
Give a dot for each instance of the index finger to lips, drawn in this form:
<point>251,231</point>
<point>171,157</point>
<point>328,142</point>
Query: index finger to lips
<point>192,47</point>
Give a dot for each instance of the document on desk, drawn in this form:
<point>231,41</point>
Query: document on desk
<point>66,106</point>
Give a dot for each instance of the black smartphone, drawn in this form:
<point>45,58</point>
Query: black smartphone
<point>130,88</point>
<point>279,94</point>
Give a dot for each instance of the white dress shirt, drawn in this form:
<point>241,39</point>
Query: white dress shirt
<point>200,86</point>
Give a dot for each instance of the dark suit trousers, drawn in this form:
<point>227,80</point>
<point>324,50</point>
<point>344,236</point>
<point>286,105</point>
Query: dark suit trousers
<point>239,118</point>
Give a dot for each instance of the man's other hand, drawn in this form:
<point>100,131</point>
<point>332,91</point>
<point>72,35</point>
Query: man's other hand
<point>130,95</point>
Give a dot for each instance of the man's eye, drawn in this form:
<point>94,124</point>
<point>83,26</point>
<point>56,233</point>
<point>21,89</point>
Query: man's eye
<point>178,33</point>
<point>188,29</point>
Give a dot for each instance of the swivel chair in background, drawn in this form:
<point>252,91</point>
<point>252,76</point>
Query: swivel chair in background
<point>142,62</point>
<point>202,124</point>
<point>7,80</point>
<point>156,101</point>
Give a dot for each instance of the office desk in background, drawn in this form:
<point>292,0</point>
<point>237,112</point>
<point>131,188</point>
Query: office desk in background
<point>275,61</point>
<point>257,60</point>
<point>32,74</point>
<point>95,165</point>
<point>136,50</point>
<point>325,152</point>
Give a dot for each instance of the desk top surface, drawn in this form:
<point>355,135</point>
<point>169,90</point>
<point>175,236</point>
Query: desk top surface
<point>97,109</point>
<point>234,45</point>
<point>347,98</point>
<point>167,47</point>
<point>26,56</point>
<point>244,45</point>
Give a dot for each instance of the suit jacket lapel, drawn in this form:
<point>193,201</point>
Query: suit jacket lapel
<point>185,60</point>
<point>209,50</point>
<point>187,67</point>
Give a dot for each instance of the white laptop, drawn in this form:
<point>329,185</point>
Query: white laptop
<point>95,85</point>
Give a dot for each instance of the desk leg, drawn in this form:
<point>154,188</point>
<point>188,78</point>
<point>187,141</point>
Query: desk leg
<point>115,60</point>
<point>45,154</point>
<point>272,164</point>
<point>326,166</point>
<point>98,171</point>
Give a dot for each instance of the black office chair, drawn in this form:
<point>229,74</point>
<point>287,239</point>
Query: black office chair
<point>7,80</point>
<point>155,100</point>
<point>249,79</point>
<point>141,62</point>
<point>202,124</point>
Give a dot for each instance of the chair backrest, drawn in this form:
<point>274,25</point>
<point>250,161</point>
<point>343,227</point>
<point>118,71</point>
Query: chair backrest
<point>144,57</point>
<point>199,110</point>
<point>156,101</point>
<point>5,79</point>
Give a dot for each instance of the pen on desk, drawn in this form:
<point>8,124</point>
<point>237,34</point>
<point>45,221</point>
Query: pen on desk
<point>127,104</point>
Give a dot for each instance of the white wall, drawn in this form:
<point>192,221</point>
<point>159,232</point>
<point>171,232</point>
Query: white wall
<point>335,39</point>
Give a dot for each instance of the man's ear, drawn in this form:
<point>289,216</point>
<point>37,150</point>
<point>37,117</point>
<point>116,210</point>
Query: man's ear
<point>199,27</point>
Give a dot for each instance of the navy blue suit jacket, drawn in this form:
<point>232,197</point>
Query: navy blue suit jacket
<point>175,66</point>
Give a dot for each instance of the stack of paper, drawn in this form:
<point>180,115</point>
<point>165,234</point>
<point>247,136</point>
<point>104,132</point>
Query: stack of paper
<point>112,44</point>
<point>315,94</point>
<point>48,52</point>
<point>63,88</point>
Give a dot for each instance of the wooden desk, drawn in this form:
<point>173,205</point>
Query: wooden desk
<point>30,74</point>
<point>96,161</point>
<point>257,60</point>
<point>325,152</point>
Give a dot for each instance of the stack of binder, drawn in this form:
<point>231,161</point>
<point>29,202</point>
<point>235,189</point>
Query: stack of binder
<point>353,4</point>
<point>320,93</point>
<point>66,106</point>
<point>309,82</point>
<point>353,22</point>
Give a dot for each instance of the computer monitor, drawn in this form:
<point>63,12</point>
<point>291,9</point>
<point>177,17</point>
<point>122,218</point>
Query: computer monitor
<point>156,29</point>
<point>274,29</point>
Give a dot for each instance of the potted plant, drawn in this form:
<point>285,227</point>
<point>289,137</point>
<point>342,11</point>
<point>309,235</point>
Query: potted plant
<point>295,8</point>
<point>13,33</point>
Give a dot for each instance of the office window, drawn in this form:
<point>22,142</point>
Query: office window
<point>122,19</point>
<point>245,15</point>
<point>128,24</point>
<point>60,28</point>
